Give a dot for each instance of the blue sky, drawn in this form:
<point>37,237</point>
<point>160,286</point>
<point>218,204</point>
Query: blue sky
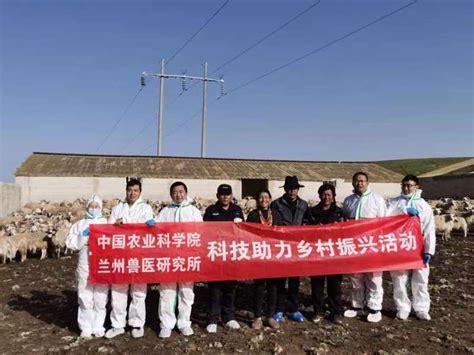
<point>402,88</point>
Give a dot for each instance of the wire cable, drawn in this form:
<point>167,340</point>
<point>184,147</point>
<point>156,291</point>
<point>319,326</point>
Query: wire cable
<point>198,31</point>
<point>120,118</point>
<point>319,49</point>
<point>184,122</point>
<point>255,44</point>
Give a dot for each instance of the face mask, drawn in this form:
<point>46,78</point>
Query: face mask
<point>94,212</point>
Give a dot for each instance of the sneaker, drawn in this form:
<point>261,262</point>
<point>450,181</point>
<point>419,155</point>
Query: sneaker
<point>317,318</point>
<point>233,324</point>
<point>257,324</point>
<point>374,316</point>
<point>99,333</point>
<point>165,333</point>
<point>403,315</point>
<point>138,332</point>
<point>334,318</point>
<point>211,328</point>
<point>353,312</point>
<point>186,331</point>
<point>423,316</point>
<point>86,334</point>
<point>278,316</point>
<point>296,316</point>
<point>113,332</point>
<point>273,323</point>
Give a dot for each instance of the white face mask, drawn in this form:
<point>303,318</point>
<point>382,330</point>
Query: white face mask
<point>94,212</point>
<point>408,195</point>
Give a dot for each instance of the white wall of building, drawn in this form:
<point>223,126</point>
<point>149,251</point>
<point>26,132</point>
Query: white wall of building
<point>58,189</point>
<point>10,198</point>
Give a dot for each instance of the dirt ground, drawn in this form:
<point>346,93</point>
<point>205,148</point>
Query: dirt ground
<point>38,309</point>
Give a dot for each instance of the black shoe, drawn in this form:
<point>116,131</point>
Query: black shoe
<point>334,318</point>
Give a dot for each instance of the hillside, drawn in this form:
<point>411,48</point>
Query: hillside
<point>418,166</point>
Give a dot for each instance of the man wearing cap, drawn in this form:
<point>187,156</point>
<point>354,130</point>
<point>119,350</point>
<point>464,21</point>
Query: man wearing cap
<point>292,210</point>
<point>222,293</point>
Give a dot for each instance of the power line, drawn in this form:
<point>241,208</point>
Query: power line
<point>322,47</point>
<point>120,118</point>
<point>197,32</point>
<point>264,38</point>
<point>184,122</point>
<point>255,44</point>
<point>235,57</point>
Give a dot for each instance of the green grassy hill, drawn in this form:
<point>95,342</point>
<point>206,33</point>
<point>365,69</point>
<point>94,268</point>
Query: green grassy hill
<point>417,166</point>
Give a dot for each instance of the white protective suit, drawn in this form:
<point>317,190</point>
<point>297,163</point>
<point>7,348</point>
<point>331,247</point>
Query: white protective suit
<point>140,212</point>
<point>367,287</point>
<point>92,298</point>
<point>169,293</point>
<point>419,278</point>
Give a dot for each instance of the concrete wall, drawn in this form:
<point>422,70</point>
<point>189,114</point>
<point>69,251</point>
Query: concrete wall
<point>57,189</point>
<point>455,186</point>
<point>10,198</point>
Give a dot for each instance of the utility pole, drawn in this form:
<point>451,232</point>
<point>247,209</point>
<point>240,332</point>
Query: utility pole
<point>160,112</point>
<point>204,111</point>
<point>183,77</point>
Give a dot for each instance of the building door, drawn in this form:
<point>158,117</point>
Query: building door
<point>250,187</point>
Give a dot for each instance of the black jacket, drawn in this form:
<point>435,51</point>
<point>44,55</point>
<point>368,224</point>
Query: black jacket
<point>215,213</point>
<point>255,218</point>
<point>317,215</point>
<point>284,208</point>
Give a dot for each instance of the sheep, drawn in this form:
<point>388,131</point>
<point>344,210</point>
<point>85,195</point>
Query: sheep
<point>37,241</point>
<point>444,225</point>
<point>460,224</point>
<point>20,244</point>
<point>59,239</point>
<point>7,249</point>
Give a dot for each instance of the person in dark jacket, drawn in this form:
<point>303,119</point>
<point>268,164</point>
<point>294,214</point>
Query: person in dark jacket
<point>222,293</point>
<point>263,214</point>
<point>292,210</point>
<point>324,213</point>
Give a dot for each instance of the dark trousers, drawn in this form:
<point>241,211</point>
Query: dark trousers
<point>221,301</point>
<point>293,294</point>
<point>275,296</point>
<point>334,293</point>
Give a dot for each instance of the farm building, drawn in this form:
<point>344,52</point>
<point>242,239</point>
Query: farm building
<point>63,177</point>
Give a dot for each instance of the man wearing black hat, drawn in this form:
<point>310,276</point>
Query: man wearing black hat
<point>222,293</point>
<point>292,210</point>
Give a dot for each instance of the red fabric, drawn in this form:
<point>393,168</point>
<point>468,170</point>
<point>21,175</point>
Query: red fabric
<point>188,251</point>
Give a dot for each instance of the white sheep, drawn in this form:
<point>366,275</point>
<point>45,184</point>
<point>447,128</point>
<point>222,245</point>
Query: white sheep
<point>59,239</point>
<point>460,224</point>
<point>37,241</point>
<point>444,225</point>
<point>7,249</point>
<point>20,243</point>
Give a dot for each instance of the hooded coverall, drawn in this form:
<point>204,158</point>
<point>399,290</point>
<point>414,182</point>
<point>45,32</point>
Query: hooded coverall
<point>419,278</point>
<point>367,287</point>
<point>169,294</point>
<point>139,212</point>
<point>92,298</point>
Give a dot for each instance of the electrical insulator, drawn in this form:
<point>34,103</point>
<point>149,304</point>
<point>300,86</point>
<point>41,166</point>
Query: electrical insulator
<point>183,85</point>
<point>222,90</point>
<point>142,81</point>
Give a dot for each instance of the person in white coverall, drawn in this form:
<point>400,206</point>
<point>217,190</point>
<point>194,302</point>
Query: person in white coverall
<point>367,290</point>
<point>92,298</point>
<point>410,202</point>
<point>132,210</point>
<point>180,210</point>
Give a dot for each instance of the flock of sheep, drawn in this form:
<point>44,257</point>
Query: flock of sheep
<point>40,229</point>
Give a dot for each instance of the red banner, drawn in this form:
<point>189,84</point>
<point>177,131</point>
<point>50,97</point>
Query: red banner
<point>209,251</point>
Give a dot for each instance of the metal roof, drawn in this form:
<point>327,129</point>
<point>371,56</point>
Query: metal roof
<point>85,165</point>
